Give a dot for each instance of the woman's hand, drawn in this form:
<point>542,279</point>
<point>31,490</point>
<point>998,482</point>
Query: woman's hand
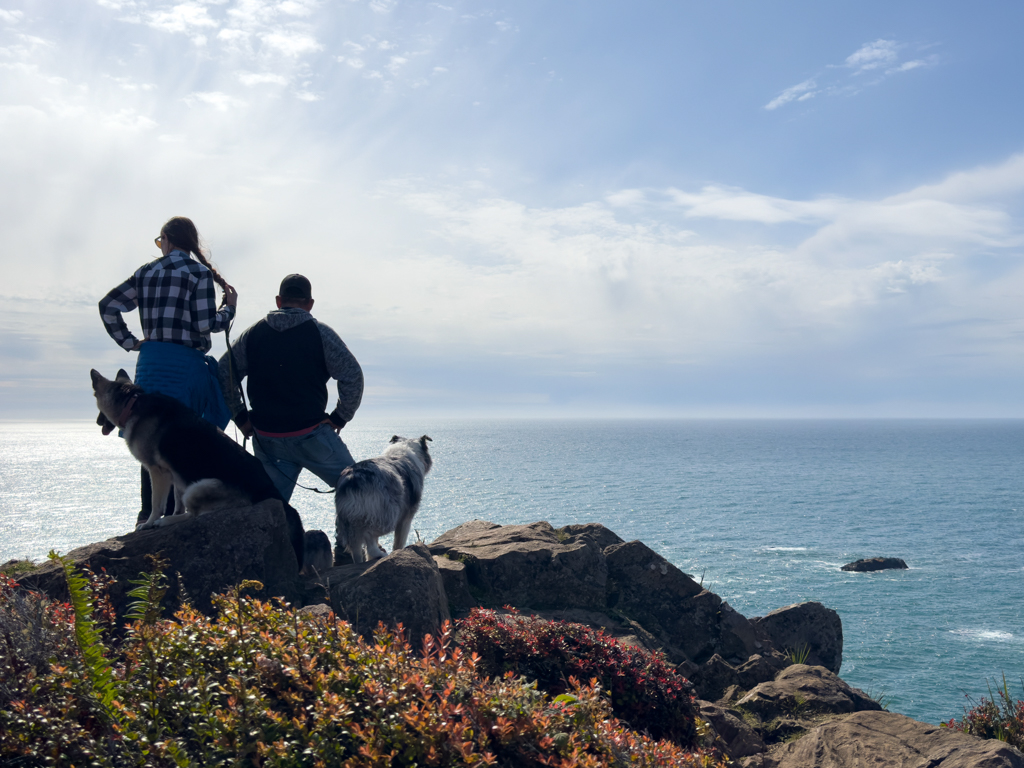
<point>138,345</point>
<point>230,297</point>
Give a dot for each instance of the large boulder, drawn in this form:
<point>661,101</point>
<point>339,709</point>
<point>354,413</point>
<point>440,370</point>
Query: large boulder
<point>888,740</point>
<point>686,618</point>
<point>800,690</point>
<point>405,587</point>
<point>528,566</point>
<point>809,627</point>
<point>207,555</point>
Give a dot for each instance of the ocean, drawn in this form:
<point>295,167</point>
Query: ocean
<point>763,512</point>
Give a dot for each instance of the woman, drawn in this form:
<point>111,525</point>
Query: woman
<point>177,306</point>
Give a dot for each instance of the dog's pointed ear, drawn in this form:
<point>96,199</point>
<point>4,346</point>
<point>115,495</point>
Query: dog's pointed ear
<point>122,375</point>
<point>424,440</point>
<point>394,439</point>
<point>97,377</point>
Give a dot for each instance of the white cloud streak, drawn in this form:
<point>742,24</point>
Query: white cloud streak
<point>880,57</point>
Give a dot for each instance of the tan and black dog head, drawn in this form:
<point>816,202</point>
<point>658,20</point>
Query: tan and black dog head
<point>111,397</point>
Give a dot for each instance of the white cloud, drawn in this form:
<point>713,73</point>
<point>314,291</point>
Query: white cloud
<point>800,90</point>
<point>308,96</point>
<point>261,78</point>
<point>219,101</point>
<point>185,17</point>
<point>881,56</point>
<point>11,17</point>
<point>297,7</point>
<point>732,204</point>
<point>291,43</point>
<point>382,6</point>
<point>873,55</point>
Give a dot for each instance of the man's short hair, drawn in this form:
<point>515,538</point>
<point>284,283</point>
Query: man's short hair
<point>295,287</point>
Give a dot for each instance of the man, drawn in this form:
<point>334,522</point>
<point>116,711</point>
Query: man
<point>289,357</point>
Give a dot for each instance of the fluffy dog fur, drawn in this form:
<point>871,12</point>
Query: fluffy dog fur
<point>318,554</point>
<point>380,495</point>
<point>206,469</point>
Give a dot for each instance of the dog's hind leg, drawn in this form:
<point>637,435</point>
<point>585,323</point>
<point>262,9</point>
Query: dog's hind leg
<point>179,497</point>
<point>402,530</point>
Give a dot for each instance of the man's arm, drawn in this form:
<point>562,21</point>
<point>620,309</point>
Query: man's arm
<point>342,365</point>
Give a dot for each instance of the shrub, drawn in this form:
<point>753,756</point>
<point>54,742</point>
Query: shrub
<point>995,717</point>
<point>264,685</point>
<point>644,689</point>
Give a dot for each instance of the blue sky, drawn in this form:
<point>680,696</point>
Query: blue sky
<point>537,209</point>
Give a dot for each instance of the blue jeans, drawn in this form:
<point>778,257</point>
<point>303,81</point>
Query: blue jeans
<point>322,452</point>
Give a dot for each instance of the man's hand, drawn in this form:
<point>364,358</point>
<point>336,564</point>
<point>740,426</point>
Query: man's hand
<point>245,428</point>
<point>332,425</point>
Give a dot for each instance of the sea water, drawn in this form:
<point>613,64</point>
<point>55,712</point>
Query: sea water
<point>764,513</point>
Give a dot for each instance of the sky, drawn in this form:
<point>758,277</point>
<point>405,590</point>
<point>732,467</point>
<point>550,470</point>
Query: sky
<point>537,209</point>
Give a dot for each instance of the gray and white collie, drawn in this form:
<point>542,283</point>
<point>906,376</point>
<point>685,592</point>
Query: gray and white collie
<point>380,495</point>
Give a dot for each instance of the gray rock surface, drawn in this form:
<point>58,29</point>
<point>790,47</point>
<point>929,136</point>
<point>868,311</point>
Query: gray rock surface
<point>888,740</point>
<point>802,690</point>
<point>805,625</point>
<point>740,739</point>
<point>456,584</point>
<point>687,619</point>
<point>875,564</point>
<point>406,587</point>
<point>528,566</point>
<point>212,553</point>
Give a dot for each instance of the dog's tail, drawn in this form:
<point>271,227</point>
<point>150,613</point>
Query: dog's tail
<point>210,495</point>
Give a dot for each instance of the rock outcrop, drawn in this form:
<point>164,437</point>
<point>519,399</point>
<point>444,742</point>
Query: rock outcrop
<point>800,689</point>
<point>888,740</point>
<point>579,573</point>
<point>875,564</point>
<point>404,587</point>
<point>806,628</point>
<point>207,555</point>
<point>587,567</point>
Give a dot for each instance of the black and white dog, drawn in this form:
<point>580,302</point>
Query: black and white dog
<point>380,495</point>
<point>206,469</point>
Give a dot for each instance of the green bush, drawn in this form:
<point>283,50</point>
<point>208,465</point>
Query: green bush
<point>263,685</point>
<point>997,717</point>
<point>645,690</point>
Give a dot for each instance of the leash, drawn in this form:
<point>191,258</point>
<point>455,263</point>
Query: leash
<point>245,404</point>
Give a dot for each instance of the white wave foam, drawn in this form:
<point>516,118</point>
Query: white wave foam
<point>995,635</point>
<point>784,549</point>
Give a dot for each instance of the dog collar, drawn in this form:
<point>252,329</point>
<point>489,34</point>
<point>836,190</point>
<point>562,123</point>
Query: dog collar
<point>123,418</point>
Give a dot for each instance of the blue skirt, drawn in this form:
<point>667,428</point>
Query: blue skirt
<point>185,374</point>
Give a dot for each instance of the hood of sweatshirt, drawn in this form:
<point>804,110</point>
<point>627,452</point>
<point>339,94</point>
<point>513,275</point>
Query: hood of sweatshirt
<point>287,318</point>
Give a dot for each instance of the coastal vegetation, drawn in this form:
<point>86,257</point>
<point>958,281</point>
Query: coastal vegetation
<point>997,716</point>
<point>264,685</point>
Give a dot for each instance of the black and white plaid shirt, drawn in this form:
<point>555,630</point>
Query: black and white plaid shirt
<point>177,303</point>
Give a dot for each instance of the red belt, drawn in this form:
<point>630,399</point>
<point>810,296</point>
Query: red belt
<point>299,433</point>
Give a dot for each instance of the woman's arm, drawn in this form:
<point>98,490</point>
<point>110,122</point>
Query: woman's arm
<point>204,307</point>
<point>124,298</point>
